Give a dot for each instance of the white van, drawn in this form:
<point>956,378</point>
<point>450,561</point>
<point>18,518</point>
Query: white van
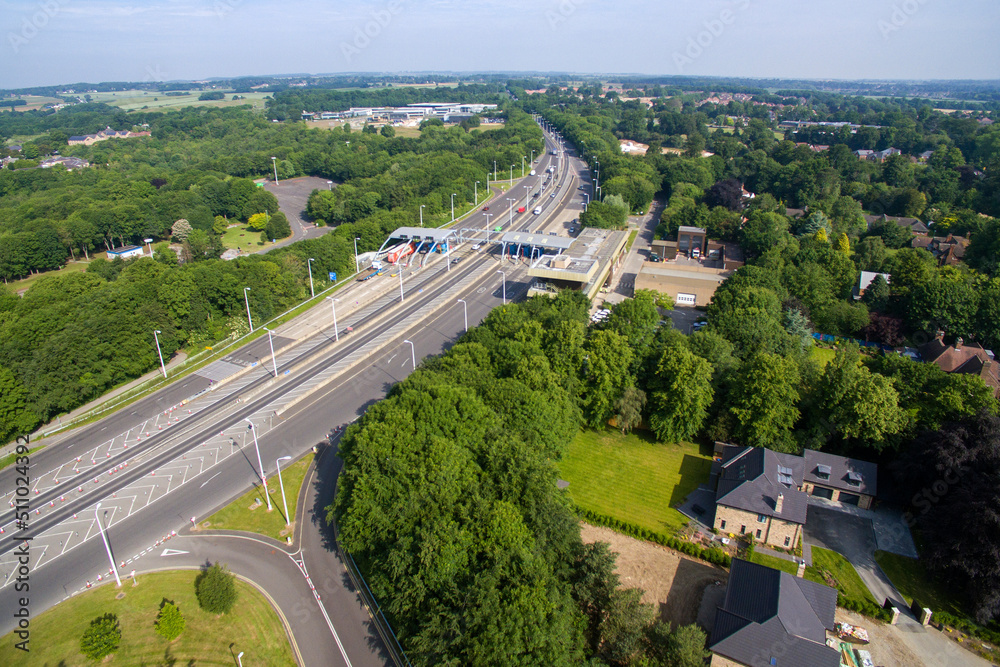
<point>538,210</point>
<point>532,172</point>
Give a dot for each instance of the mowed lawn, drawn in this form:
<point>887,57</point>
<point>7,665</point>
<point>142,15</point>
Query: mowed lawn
<point>632,477</point>
<point>841,573</point>
<point>252,626</point>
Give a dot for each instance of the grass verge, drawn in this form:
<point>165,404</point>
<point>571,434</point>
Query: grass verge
<point>238,514</point>
<point>632,477</point>
<point>253,625</point>
<point>774,562</point>
<point>832,569</point>
<point>912,581</point>
<point>12,457</point>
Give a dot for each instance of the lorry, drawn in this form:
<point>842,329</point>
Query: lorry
<point>398,252</point>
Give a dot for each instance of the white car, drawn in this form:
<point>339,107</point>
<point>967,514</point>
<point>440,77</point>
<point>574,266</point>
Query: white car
<point>477,246</point>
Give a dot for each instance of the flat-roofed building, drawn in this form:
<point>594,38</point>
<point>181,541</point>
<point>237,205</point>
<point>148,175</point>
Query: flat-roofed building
<point>586,262</point>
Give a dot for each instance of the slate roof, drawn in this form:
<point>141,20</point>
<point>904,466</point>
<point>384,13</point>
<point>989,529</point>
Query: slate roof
<point>963,358</point>
<point>840,470</point>
<point>913,224</point>
<point>768,614</point>
<point>748,480</point>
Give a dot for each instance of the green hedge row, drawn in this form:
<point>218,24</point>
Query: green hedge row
<point>967,626</point>
<point>714,555</point>
<point>864,607</point>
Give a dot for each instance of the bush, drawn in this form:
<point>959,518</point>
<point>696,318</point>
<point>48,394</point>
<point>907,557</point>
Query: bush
<point>967,626</point>
<point>101,638</point>
<point>216,589</point>
<point>169,622</point>
<point>864,607</point>
<point>713,555</point>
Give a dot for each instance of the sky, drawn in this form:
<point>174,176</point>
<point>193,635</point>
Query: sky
<point>51,42</point>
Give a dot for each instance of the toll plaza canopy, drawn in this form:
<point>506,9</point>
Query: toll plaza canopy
<point>542,241</point>
<point>422,234</point>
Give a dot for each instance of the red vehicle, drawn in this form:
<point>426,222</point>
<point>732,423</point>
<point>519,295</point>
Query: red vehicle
<point>486,208</point>
<point>399,252</point>
<point>521,209</point>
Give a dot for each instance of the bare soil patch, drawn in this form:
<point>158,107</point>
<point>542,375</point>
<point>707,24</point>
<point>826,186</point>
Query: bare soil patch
<point>672,582</point>
<point>886,647</point>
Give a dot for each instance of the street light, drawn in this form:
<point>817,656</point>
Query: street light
<point>422,214</point>
<point>100,526</point>
<point>413,353</point>
<point>504,286</point>
<point>263,477</point>
<point>239,659</point>
<point>523,158</point>
<point>275,164</point>
<point>333,307</point>
<point>476,190</point>
<point>527,191</point>
<point>330,183</point>
<point>271,343</point>
<point>465,310</point>
<point>401,284</point>
<point>532,156</point>
<point>277,463</point>
<point>309,265</point>
<point>494,170</point>
<point>511,176</point>
<point>162,367</point>
<point>246,297</point>
<point>453,207</point>
<point>357,267</point>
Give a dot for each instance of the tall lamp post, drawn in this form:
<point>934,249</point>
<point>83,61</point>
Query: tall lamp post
<point>465,310</point>
<point>246,297</point>
<point>527,191</point>
<point>453,207</point>
<point>475,189</point>
<point>413,353</point>
<point>511,176</point>
<point>274,163</point>
<point>239,659</point>
<point>504,286</point>
<point>401,284</point>
<point>270,342</point>
<point>357,267</point>
<point>281,483</point>
<point>309,265</point>
<point>107,547</point>
<point>523,158</point>
<point>333,307</point>
<point>156,333</point>
<point>422,214</point>
<point>263,477</point>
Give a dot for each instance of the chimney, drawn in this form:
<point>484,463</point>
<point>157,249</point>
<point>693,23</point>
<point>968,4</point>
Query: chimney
<point>939,335</point>
<point>779,503</point>
<point>958,343</point>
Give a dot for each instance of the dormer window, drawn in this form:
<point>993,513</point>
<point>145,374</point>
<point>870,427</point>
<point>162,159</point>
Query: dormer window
<point>823,471</point>
<point>854,478</point>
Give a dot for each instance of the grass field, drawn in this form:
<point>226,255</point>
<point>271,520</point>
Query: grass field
<point>243,238</point>
<point>142,99</point>
<point>237,515</point>
<point>910,579</point>
<point>253,626</point>
<point>632,477</point>
<point>846,577</point>
<point>71,267</point>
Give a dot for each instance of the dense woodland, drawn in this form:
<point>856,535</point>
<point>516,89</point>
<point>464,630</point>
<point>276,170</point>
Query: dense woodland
<point>448,502</point>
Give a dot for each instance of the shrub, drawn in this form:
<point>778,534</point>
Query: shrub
<point>216,589</point>
<point>170,621</point>
<point>101,638</point>
<point>864,607</point>
<point>967,626</point>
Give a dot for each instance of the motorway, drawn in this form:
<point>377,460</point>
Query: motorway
<point>193,437</point>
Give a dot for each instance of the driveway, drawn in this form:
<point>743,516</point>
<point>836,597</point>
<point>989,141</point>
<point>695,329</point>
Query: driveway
<point>854,537</point>
<point>683,317</point>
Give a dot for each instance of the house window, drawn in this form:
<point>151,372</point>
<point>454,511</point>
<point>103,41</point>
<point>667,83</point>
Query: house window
<point>761,518</point>
<point>743,529</point>
<point>758,533</point>
<point>788,541</point>
<point>722,524</point>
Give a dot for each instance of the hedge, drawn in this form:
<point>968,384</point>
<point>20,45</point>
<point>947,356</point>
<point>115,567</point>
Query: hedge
<point>713,555</point>
<point>864,607</point>
<point>967,626</point>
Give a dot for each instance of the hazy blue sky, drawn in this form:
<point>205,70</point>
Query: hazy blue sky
<point>62,41</point>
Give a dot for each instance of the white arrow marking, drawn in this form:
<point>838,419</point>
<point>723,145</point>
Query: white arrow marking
<point>172,552</point>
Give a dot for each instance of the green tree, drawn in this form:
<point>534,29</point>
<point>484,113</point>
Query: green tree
<point>764,401</point>
<point>876,295</point>
<point>623,630</point>
<point>220,225</point>
<point>16,418</point>
<point>607,375</point>
<point>856,403</point>
<point>686,647</point>
<point>278,227</point>
<point>387,131</point>
<point>170,621</point>
<point>681,394</point>
<point>102,638</point>
<point>215,589</point>
<point>628,409</point>
<point>258,221</point>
